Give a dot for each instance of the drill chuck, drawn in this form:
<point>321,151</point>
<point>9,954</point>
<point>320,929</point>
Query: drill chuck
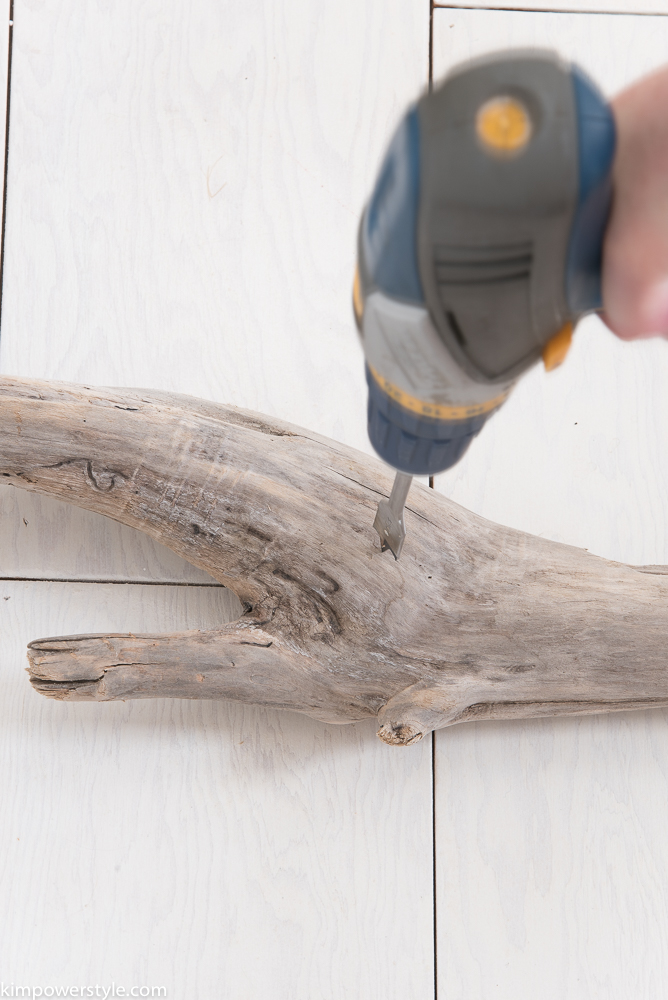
<point>412,440</point>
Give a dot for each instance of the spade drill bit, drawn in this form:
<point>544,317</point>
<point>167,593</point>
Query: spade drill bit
<point>389,521</point>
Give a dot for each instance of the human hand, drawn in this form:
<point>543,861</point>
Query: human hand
<point>635,251</point>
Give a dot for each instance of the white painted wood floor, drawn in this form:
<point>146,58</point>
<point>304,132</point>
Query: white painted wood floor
<point>183,189</point>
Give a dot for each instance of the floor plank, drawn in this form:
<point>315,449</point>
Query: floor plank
<point>552,870</point>
<point>216,849</point>
<point>184,190</point>
<point>577,455</point>
<point>551,854</point>
<point>187,183</point>
<point>184,186</point>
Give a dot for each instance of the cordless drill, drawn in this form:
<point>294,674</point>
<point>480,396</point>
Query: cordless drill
<point>478,251</point>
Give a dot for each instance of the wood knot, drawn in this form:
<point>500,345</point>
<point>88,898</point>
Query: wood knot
<point>399,734</point>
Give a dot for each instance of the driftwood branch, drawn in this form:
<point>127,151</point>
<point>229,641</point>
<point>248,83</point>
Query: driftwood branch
<point>476,621</point>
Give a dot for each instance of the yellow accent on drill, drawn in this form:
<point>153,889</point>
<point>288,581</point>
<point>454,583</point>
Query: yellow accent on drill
<point>557,348</point>
<point>435,410</point>
<point>503,126</point>
<point>358,302</point>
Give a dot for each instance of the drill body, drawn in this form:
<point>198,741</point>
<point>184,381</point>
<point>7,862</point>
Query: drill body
<point>479,249</point>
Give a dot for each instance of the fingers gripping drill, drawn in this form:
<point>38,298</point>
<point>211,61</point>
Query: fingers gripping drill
<point>478,251</point>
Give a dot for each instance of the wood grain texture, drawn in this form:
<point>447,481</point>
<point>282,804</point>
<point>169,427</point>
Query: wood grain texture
<point>552,859</point>
<point>475,621</point>
<point>219,850</point>
<point>189,190</point>
<point>577,455</point>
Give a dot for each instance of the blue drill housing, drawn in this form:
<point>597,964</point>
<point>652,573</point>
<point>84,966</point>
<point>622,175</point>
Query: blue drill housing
<point>420,446</point>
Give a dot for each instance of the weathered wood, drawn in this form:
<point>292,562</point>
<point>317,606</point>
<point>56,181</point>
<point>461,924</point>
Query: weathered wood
<point>476,621</point>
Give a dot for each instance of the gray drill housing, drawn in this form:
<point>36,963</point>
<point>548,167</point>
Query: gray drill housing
<point>493,232</point>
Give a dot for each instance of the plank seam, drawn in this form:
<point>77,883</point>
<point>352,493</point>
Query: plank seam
<point>431,84</point>
<point>120,583</point>
<point>10,29</point>
<point>434,856</point>
<point>552,10</point>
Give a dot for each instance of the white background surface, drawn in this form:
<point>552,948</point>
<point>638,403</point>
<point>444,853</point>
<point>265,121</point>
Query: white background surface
<point>183,193</point>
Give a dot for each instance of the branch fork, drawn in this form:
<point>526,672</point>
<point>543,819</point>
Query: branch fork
<point>476,621</point>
